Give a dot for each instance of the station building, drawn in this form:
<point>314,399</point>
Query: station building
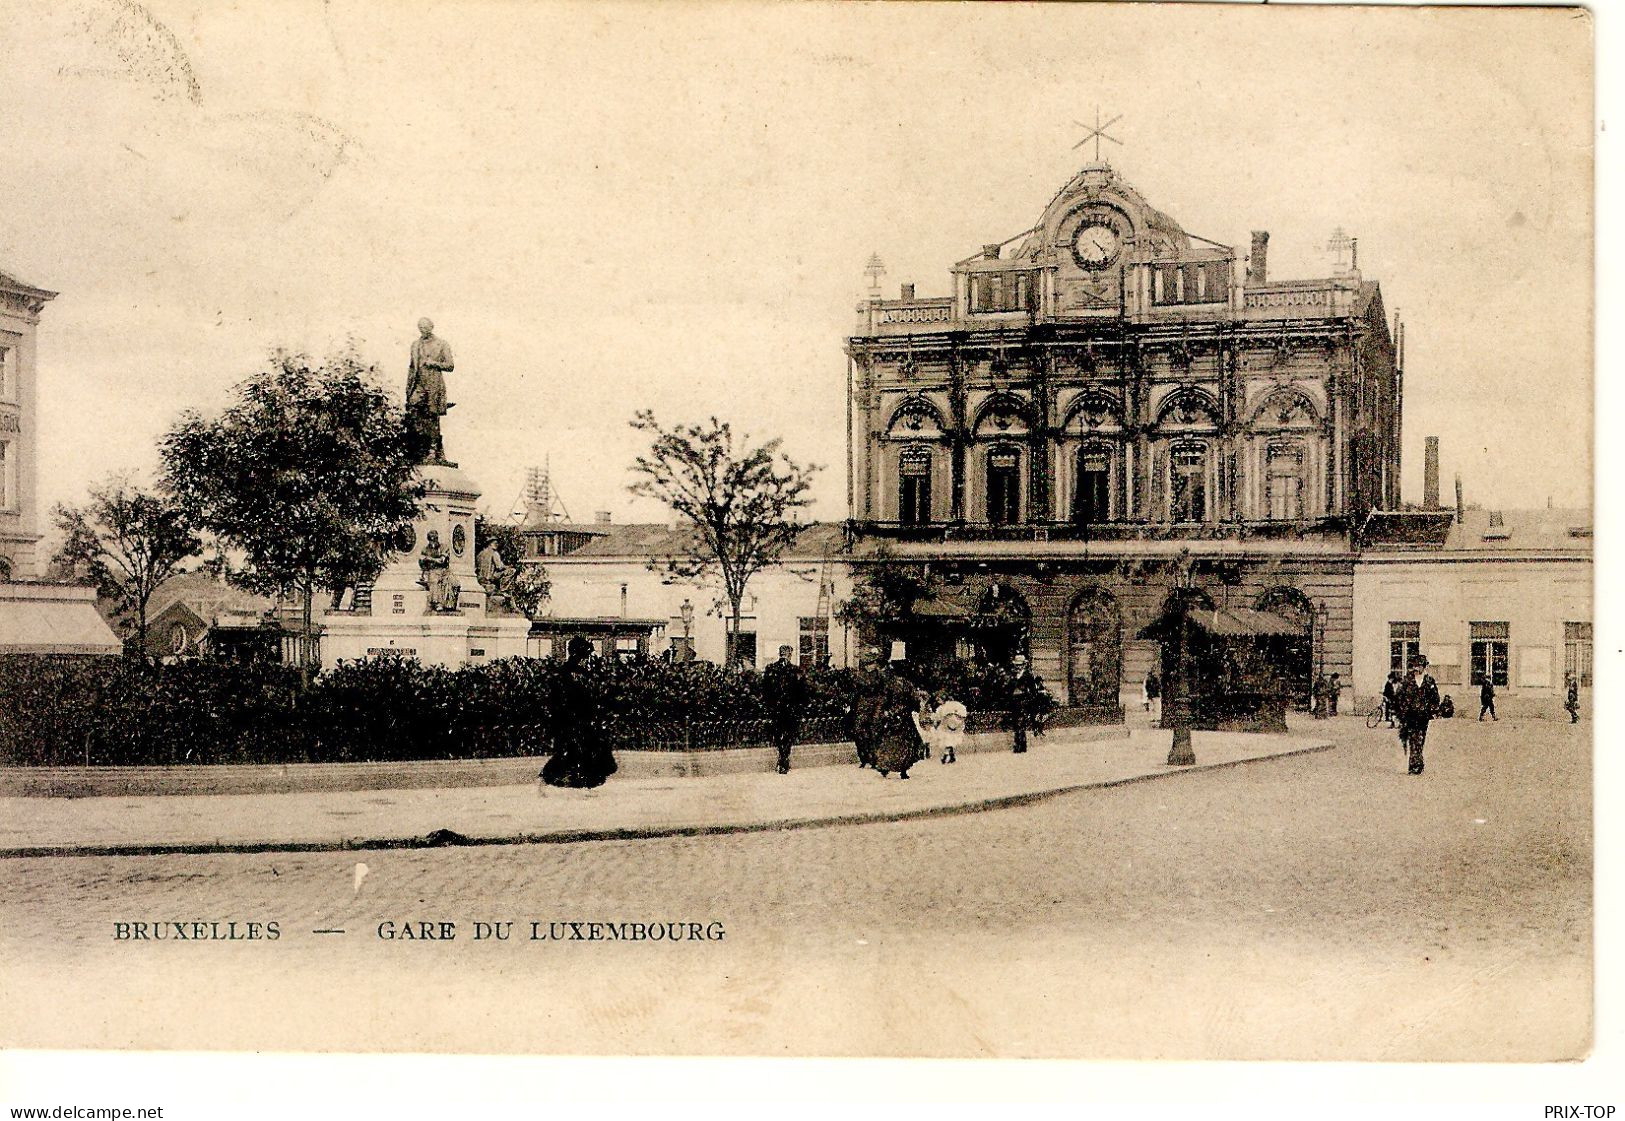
<point>1105,401</point>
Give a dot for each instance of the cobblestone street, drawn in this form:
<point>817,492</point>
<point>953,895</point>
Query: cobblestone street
<point>1322,906</point>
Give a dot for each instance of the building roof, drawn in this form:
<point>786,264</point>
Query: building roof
<point>7,280</point>
<point>1481,532</point>
<point>643,541</point>
<point>207,597</point>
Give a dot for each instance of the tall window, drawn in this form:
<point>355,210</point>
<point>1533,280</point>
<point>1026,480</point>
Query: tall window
<point>8,388</point>
<point>1490,643</point>
<point>814,642</point>
<point>5,475</point>
<point>1089,499</point>
<point>1001,291</point>
<point>1189,470</point>
<point>1004,486</point>
<point>914,502</point>
<point>1404,644</point>
<point>1577,652</point>
<point>1284,480</point>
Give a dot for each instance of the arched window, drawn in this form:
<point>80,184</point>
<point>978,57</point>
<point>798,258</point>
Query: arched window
<point>1284,480</point>
<point>1004,485</point>
<point>914,479</point>
<point>1189,483</point>
<point>1090,497</point>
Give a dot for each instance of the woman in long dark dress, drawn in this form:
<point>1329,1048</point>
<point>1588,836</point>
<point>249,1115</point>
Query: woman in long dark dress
<point>896,737</point>
<point>581,756</point>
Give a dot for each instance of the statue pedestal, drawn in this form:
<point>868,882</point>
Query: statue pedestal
<point>400,621</point>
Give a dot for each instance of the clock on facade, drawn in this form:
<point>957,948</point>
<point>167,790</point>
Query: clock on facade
<point>1096,244</point>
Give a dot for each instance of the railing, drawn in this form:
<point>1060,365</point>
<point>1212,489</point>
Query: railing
<point>945,532</point>
<point>717,735</point>
<point>1331,297</point>
<point>902,313</point>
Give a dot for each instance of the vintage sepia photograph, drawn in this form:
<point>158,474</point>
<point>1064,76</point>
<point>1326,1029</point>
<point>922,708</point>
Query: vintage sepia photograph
<point>1031,531</point>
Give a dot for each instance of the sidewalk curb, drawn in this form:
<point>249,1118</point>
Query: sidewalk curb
<point>653,832</point>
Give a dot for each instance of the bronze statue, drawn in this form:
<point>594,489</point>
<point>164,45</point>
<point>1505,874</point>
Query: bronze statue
<point>435,564</point>
<point>426,395</point>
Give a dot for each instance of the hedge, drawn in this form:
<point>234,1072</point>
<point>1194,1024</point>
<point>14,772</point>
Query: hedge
<point>121,712</point>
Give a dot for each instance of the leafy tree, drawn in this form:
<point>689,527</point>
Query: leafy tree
<point>528,584</point>
<point>126,541</point>
<point>883,597</point>
<point>306,474</point>
<point>737,498</point>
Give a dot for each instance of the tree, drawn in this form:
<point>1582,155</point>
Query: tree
<point>526,585</point>
<point>306,474</point>
<point>883,599</point>
<point>736,497</point>
<point>127,542</point>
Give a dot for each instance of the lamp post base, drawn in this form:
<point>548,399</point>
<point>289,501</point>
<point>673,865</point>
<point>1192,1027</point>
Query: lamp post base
<point>1181,754</point>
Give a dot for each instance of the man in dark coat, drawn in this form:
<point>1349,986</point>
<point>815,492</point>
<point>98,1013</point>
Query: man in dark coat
<point>581,756</point>
<point>1389,689</point>
<point>784,689</point>
<point>1023,700</point>
<point>1334,689</point>
<point>1417,699</point>
<point>1486,698</point>
<point>1571,702</point>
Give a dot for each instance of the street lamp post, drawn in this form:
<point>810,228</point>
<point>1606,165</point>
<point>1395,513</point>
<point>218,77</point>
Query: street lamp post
<point>1181,753</point>
<point>686,613</point>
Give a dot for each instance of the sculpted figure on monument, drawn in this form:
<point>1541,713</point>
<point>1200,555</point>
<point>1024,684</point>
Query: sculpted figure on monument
<point>495,576</point>
<point>426,395</point>
<point>435,564</point>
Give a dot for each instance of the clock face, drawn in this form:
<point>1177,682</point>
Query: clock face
<point>1095,245</point>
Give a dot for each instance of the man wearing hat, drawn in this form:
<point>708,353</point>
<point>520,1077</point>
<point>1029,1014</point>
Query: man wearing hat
<point>1416,700</point>
<point>784,689</point>
<point>1023,696</point>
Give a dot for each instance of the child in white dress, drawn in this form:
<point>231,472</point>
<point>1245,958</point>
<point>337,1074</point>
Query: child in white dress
<point>950,728</point>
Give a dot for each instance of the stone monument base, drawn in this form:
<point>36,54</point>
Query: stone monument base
<point>400,622</point>
<point>437,640</point>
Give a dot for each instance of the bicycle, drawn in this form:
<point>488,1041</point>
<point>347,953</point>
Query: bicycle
<point>1377,715</point>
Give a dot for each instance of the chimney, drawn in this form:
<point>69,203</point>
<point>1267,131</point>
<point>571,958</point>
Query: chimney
<point>601,517</point>
<point>1461,506</point>
<point>1430,474</point>
<point>908,291</point>
<point>991,252</point>
<point>1258,260</point>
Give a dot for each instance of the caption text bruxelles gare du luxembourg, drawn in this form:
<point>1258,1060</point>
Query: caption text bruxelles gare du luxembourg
<point>436,930</point>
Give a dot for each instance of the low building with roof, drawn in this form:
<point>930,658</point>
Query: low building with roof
<point>1503,594</point>
<point>614,591</point>
<point>36,616</point>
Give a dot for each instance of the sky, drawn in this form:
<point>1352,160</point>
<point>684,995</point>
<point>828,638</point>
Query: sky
<point>606,207</point>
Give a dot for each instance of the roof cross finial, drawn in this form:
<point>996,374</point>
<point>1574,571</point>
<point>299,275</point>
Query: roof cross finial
<point>1098,132</point>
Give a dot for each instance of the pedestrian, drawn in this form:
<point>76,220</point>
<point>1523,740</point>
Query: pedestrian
<point>950,725</point>
<point>1153,696</point>
<point>1317,694</point>
<point>1417,700</point>
<point>581,755</point>
<point>1571,702</point>
<point>1389,688</point>
<point>867,702</point>
<point>1486,698</point>
<point>895,738</point>
<point>1334,689</point>
<point>784,692</point>
<point>1023,696</point>
<point>925,722</point>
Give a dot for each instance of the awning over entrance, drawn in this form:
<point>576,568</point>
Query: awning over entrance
<point>1231,622</point>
